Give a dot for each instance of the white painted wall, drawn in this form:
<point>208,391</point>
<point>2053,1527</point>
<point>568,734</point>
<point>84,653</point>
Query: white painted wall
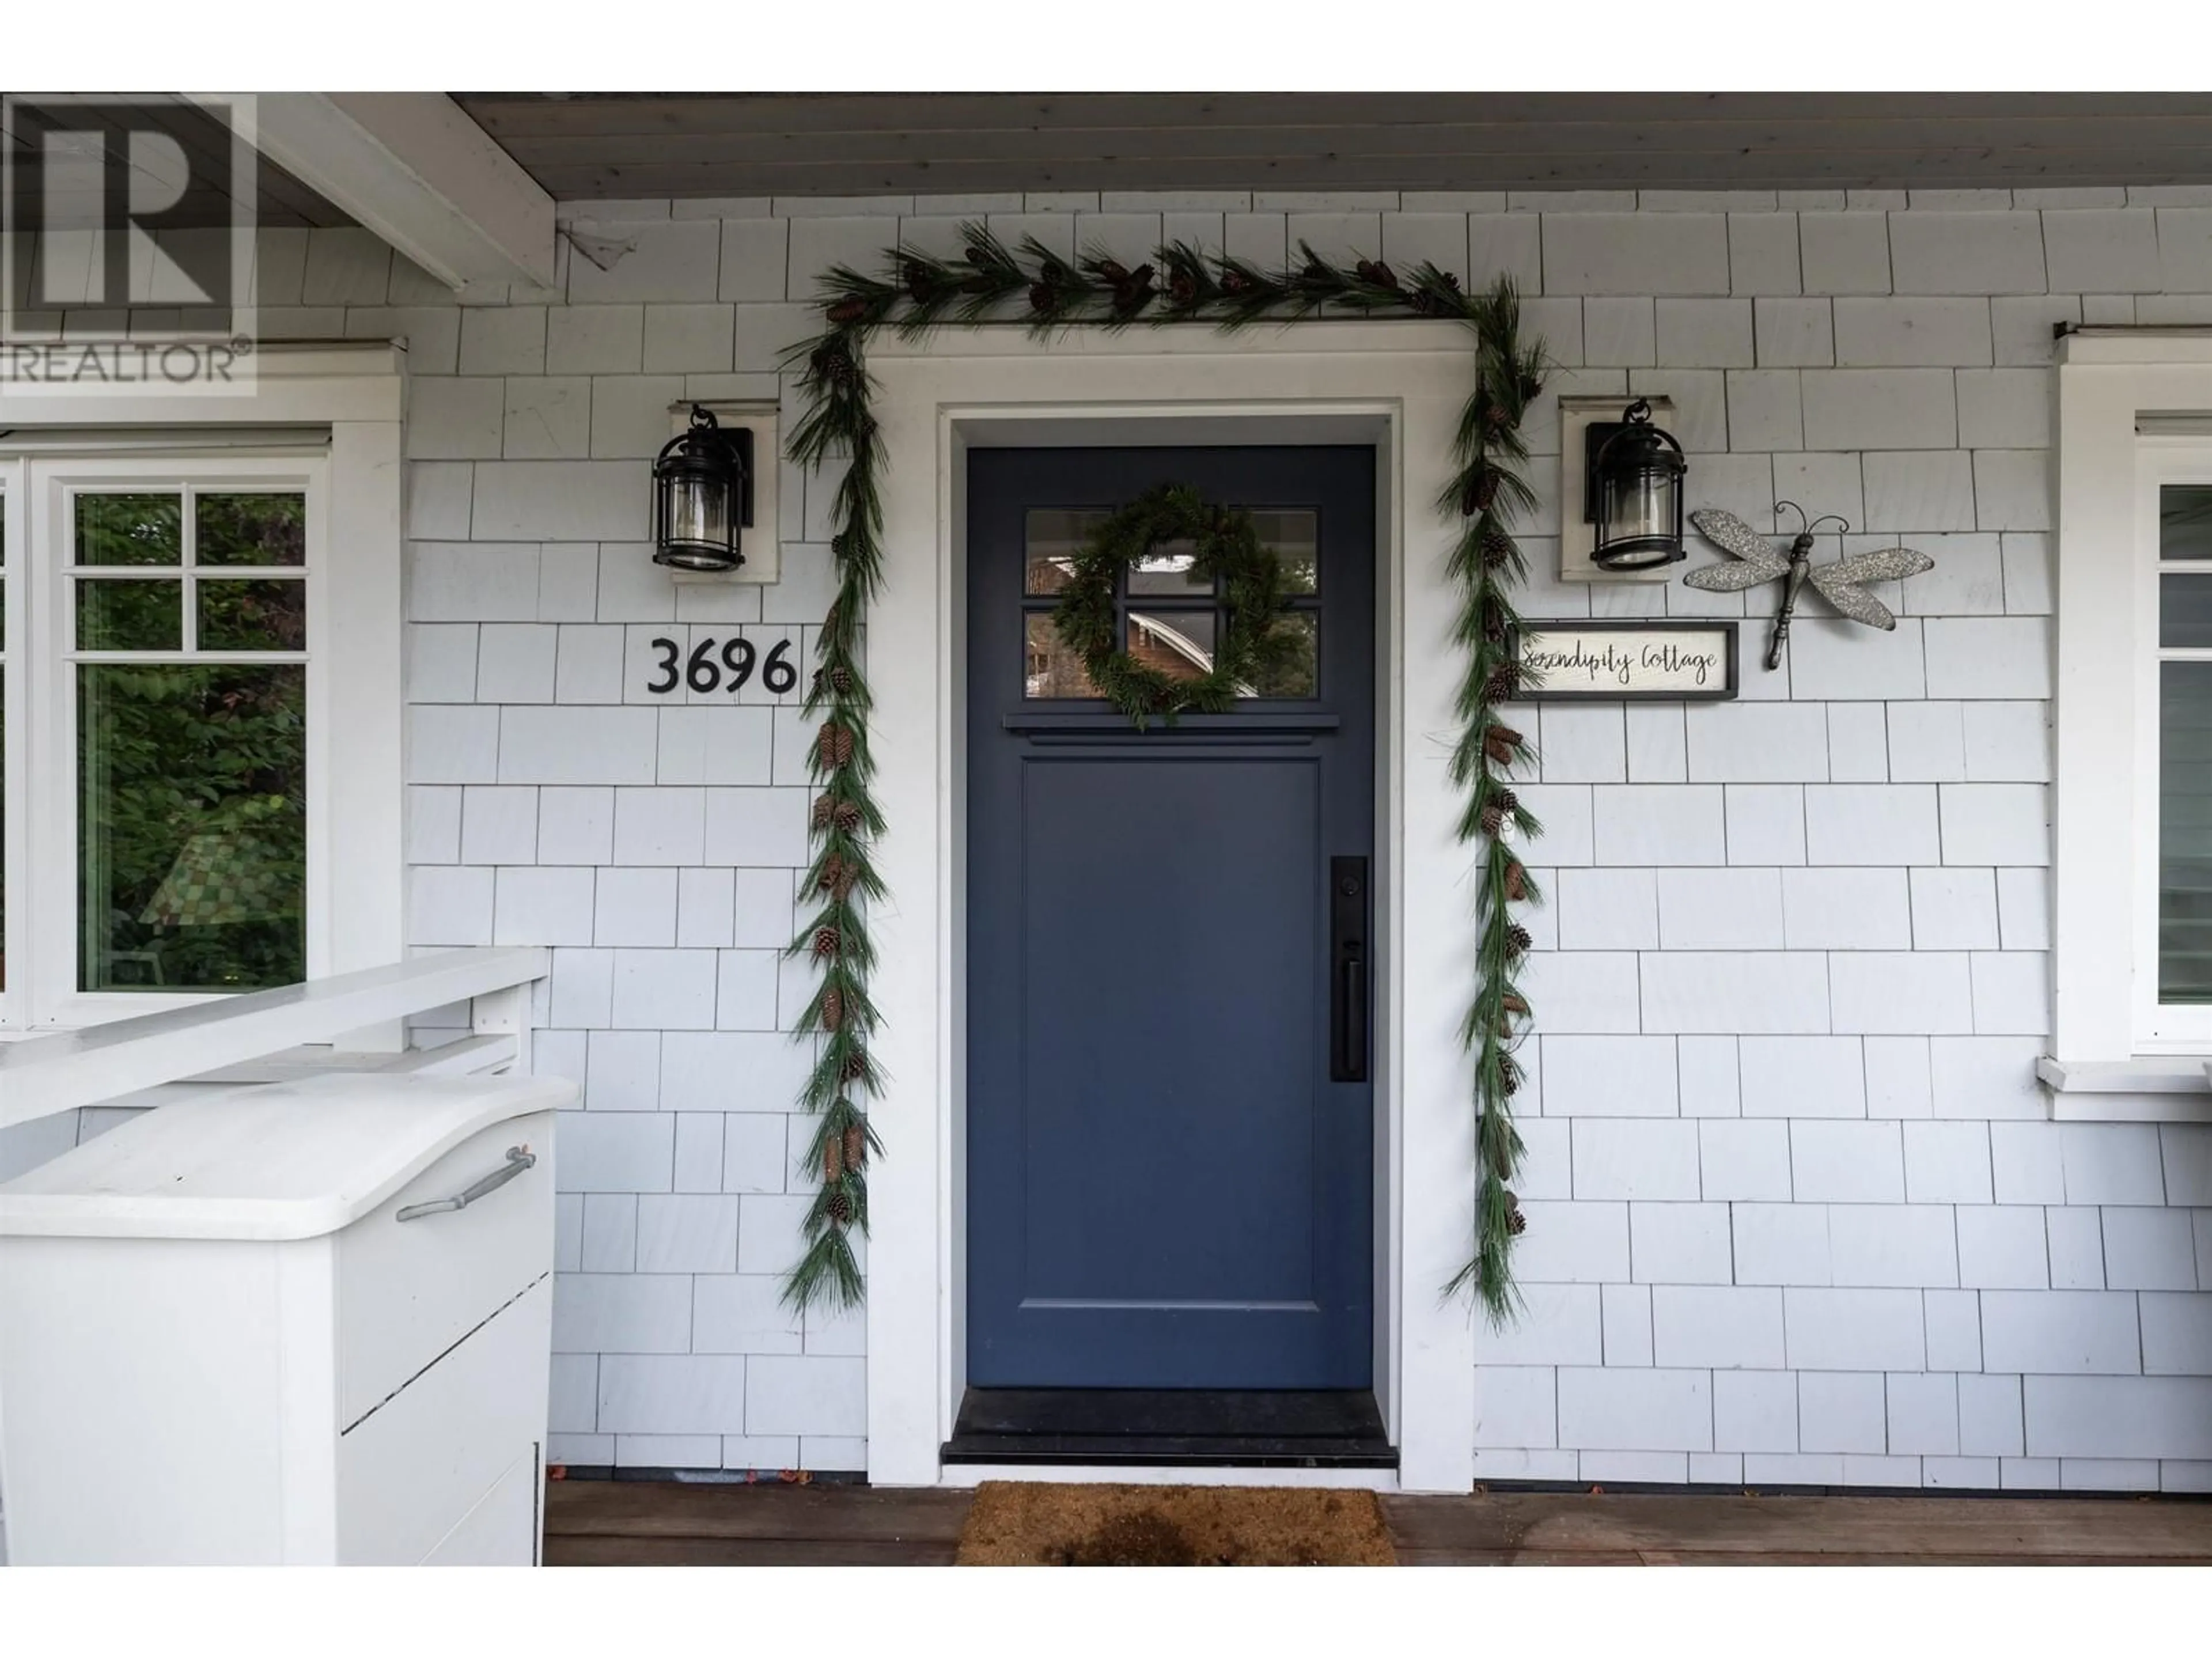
<point>1797,1211</point>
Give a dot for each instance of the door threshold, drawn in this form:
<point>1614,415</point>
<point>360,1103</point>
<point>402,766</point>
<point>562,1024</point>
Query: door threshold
<point>1172,1428</point>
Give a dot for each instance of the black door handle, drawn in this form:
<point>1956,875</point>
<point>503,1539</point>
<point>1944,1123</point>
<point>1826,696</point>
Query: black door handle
<point>1347,953</point>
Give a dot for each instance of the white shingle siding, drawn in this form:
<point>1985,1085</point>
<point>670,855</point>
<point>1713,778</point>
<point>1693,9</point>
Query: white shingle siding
<point>1797,1216</point>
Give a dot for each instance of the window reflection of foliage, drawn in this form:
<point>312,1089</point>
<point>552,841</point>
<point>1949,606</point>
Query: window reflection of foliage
<point>266,529</point>
<point>130,530</point>
<point>1288,670</point>
<point>249,615</point>
<point>175,750</point>
<point>135,615</point>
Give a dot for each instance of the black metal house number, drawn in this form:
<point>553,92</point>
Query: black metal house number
<point>707,671</point>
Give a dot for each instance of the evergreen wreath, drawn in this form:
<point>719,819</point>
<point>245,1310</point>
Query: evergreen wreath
<point>993,284</point>
<point>1229,549</point>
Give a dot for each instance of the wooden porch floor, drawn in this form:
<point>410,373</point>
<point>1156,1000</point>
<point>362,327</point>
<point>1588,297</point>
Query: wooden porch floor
<point>639,1523</point>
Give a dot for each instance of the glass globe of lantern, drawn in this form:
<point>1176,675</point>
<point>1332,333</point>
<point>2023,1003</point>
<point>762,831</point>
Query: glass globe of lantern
<point>698,485</point>
<point>1637,484</point>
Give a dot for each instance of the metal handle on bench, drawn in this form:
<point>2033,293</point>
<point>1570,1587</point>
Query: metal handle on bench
<point>519,1158</point>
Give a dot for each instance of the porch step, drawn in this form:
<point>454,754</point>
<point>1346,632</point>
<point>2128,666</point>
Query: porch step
<point>1253,1428</point>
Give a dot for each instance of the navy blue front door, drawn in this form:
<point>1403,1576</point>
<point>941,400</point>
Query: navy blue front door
<point>1167,1188</point>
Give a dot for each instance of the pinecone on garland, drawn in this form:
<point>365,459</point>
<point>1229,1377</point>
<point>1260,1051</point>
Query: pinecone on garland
<point>1234,283</point>
<point>835,364</point>
<point>1509,1075</point>
<point>1376,274</point>
<point>838,1207</point>
<point>1044,298</point>
<point>1516,882</point>
<point>918,281</point>
<point>1499,812</point>
<point>1531,388</point>
<point>834,746</point>
<point>1481,490</point>
<point>825,943</point>
<point>837,877</point>
<point>839,679</point>
<point>1516,1223</point>
<point>1430,304</point>
<point>833,1161</point>
<point>847,311</point>
<point>1514,1003</point>
<point>1182,288</point>
<point>1134,289</point>
<point>1496,549</point>
<point>1501,743</point>
<point>1518,940</point>
<point>833,1009</point>
<point>1503,681</point>
<point>856,1146</point>
<point>855,1067</point>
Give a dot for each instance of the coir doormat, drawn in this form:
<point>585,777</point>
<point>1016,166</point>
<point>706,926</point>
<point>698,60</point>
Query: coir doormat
<point>1019,1523</point>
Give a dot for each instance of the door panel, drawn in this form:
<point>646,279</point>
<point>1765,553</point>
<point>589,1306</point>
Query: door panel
<point>1166,1190</point>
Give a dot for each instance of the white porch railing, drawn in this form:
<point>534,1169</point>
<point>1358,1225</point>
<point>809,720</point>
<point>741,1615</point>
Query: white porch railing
<point>289,1030</point>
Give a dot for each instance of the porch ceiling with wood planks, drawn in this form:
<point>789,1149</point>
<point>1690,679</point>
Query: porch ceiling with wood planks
<point>203,199</point>
<point>597,145</point>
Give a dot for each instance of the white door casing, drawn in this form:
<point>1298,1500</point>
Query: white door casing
<point>1399,385</point>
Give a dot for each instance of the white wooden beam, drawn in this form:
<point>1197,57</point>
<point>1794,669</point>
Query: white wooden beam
<point>49,1074</point>
<point>415,169</point>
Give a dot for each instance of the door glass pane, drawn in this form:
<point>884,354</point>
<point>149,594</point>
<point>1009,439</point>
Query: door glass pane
<point>192,811</point>
<point>263,616</point>
<point>2185,610</point>
<point>236,529</point>
<point>1165,571</point>
<point>130,530</point>
<point>1049,668</point>
<point>1178,643</point>
<point>1052,536</point>
<point>127,616</point>
<point>2184,521</point>
<point>2185,832</point>
<point>1289,664</point>
<point>1293,536</point>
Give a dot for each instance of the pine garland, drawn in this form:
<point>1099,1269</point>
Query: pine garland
<point>993,283</point>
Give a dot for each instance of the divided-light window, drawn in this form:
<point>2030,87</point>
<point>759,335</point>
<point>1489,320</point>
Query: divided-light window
<point>2184,742</point>
<point>161,626</point>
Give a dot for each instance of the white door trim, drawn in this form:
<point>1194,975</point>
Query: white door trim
<point>1408,381</point>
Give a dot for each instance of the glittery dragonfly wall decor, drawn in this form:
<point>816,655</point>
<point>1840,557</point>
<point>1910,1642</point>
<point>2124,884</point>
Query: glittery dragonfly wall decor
<point>1756,561</point>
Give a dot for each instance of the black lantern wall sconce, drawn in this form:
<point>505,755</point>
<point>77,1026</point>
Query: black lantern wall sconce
<point>703,496</point>
<point>1632,491</point>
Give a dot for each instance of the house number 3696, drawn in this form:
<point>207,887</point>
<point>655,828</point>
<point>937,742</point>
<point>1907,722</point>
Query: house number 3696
<point>708,670</point>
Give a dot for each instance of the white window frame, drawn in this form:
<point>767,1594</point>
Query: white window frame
<point>56,930</point>
<point>2134,411</point>
<point>2158,1027</point>
<point>14,743</point>
<point>329,417</point>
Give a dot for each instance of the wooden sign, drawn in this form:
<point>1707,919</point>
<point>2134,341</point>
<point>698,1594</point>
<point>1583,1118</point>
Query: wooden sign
<point>1681,660</point>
